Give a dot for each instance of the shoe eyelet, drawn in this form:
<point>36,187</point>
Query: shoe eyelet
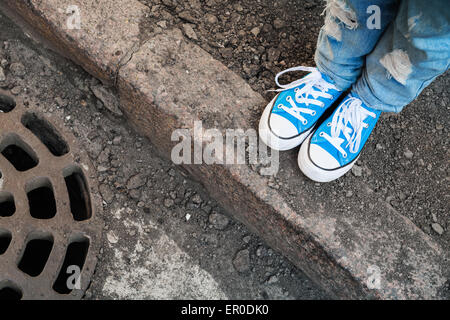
<point>329,124</point>
<point>288,98</point>
<point>305,122</point>
<point>296,90</point>
<point>280,106</point>
<point>321,134</point>
<point>344,155</point>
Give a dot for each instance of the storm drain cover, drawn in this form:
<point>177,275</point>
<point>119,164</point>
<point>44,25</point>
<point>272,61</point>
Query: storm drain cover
<point>50,213</point>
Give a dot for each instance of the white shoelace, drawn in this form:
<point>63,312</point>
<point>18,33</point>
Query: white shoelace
<point>350,112</point>
<point>314,86</point>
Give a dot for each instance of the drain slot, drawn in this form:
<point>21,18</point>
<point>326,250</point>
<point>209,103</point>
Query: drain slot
<point>42,201</point>
<point>9,291</point>
<point>7,205</point>
<point>80,201</point>
<point>75,256</point>
<point>36,255</point>
<point>19,158</point>
<point>7,104</point>
<point>5,240</point>
<point>45,132</point>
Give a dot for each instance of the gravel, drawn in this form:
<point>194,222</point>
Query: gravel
<point>406,157</point>
<point>157,220</point>
<point>242,261</point>
<point>404,163</point>
<point>219,221</point>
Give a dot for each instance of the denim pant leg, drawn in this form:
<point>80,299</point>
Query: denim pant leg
<point>413,51</point>
<point>352,29</point>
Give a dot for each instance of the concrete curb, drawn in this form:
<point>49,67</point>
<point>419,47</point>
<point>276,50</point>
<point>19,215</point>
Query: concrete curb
<point>166,83</point>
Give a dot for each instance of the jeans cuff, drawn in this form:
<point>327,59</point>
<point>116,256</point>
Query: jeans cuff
<point>363,90</point>
<point>323,66</point>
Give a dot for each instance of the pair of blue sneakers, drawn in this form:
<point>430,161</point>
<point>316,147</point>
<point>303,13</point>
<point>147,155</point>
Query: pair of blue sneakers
<point>331,148</point>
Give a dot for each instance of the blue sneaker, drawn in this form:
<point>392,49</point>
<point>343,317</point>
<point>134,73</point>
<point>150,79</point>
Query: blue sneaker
<point>334,147</point>
<point>291,115</point>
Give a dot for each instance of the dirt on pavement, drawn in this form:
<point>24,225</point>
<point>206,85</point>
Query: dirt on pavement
<point>405,162</point>
<point>165,238</point>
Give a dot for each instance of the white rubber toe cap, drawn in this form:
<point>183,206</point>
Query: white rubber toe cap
<point>282,127</point>
<point>320,157</point>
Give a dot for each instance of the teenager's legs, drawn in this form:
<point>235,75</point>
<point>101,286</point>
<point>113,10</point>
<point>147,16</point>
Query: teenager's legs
<point>351,31</point>
<point>413,51</point>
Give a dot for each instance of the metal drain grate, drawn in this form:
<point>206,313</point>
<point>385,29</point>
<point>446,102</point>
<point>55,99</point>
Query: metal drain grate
<point>50,225</point>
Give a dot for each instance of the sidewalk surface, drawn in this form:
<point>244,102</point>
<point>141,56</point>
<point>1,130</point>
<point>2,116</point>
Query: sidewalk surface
<point>150,249</point>
<point>381,217</point>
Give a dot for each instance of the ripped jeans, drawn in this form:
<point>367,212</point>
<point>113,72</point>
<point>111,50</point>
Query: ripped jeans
<point>387,50</point>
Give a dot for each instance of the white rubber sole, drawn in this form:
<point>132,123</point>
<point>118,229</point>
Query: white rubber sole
<point>315,173</point>
<point>271,139</point>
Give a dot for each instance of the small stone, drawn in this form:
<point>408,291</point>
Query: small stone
<point>272,280</point>
<point>136,181</point>
<point>255,31</point>
<point>17,69</point>
<point>197,199</point>
<point>189,31</point>
<point>186,15</point>
<point>117,140</point>
<point>112,237</point>
<point>434,217</point>
<point>357,171</point>
<point>211,19</point>
<point>259,251</point>
<point>168,203</point>
<point>278,23</point>
<point>106,193</point>
<point>2,75</point>
<point>437,228</point>
<point>273,54</point>
<point>135,194</point>
<point>108,98</point>
<point>247,239</point>
<point>242,34</point>
<point>101,168</point>
<point>241,262</point>
<point>16,90</point>
<point>61,102</point>
<point>88,295</point>
<point>238,7</point>
<point>218,221</point>
<point>162,24</point>
<point>408,154</point>
<point>227,53</point>
<point>349,193</point>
